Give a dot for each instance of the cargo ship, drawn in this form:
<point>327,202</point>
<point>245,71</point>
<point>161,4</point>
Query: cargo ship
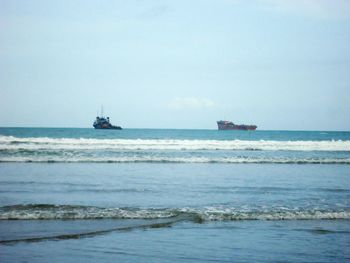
<point>229,125</point>
<point>103,123</point>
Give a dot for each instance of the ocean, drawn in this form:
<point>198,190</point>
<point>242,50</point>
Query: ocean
<point>172,195</point>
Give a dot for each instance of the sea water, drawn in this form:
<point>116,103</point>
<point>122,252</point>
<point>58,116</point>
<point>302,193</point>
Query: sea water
<point>147,195</point>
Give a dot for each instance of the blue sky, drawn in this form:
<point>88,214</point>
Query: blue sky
<point>176,64</point>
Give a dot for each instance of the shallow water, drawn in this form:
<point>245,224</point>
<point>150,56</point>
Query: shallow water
<point>240,241</point>
<point>165,211</point>
<point>172,212</point>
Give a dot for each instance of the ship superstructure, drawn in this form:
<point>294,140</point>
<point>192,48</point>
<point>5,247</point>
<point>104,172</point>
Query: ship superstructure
<point>102,122</point>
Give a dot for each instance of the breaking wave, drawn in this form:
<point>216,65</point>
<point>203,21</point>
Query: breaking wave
<point>70,212</point>
<point>44,149</point>
<point>155,159</point>
<point>45,143</point>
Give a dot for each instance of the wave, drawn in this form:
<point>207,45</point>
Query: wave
<point>71,212</point>
<point>155,159</point>
<point>92,233</point>
<point>47,211</point>
<point>45,143</point>
<point>150,159</point>
<point>52,150</point>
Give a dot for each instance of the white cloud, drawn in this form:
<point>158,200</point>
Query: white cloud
<point>190,103</point>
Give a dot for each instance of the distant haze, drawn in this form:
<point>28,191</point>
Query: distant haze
<point>176,64</point>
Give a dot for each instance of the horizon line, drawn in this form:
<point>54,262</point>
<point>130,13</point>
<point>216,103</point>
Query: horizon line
<point>138,128</point>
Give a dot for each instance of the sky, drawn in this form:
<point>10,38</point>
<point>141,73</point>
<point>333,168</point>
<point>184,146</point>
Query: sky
<point>279,64</point>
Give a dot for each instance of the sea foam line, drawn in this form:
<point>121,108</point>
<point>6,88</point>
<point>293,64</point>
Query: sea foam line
<point>44,143</point>
<point>153,159</point>
<point>64,212</point>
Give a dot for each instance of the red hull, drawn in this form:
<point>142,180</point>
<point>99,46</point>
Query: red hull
<point>227,125</point>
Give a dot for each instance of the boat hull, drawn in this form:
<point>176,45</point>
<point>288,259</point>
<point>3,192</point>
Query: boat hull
<point>104,124</point>
<point>101,127</point>
<point>226,125</point>
<point>113,128</point>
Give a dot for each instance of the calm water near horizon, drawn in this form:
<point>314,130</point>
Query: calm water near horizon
<point>153,195</point>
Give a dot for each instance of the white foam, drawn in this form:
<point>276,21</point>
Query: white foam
<point>154,159</point>
<point>33,212</point>
<point>44,143</point>
<point>72,212</point>
<point>229,214</point>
